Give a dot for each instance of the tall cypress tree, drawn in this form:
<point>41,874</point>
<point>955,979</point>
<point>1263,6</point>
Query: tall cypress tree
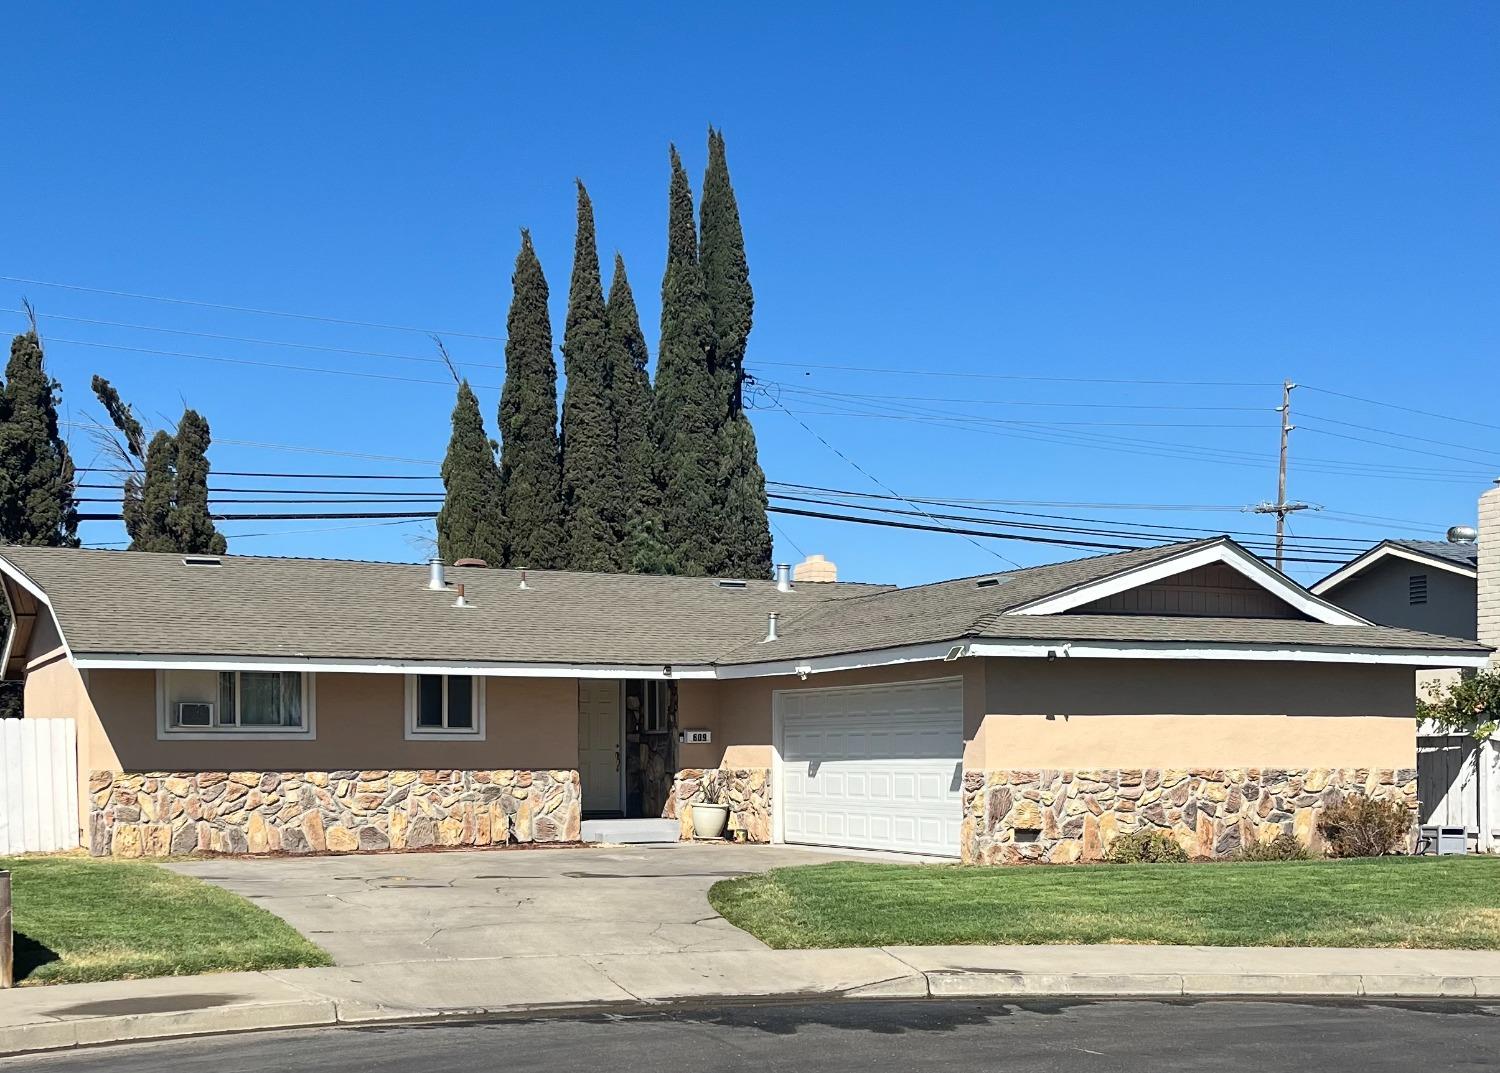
<point>530,475</point>
<point>191,525</point>
<point>149,519</point>
<point>590,466</point>
<point>687,412</point>
<point>471,524</point>
<point>166,505</point>
<point>630,405</point>
<point>726,280</point>
<point>36,470</point>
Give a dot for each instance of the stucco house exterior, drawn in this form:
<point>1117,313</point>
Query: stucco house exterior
<point>254,705</point>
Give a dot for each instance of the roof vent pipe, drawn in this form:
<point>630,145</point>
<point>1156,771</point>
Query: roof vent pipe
<point>771,634</point>
<point>783,577</point>
<point>523,584</point>
<point>436,579</point>
<point>461,602</point>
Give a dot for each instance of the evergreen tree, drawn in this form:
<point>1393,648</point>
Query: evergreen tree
<point>165,507</point>
<point>530,476</point>
<point>590,465</point>
<point>688,419</point>
<point>471,524</point>
<point>36,470</point>
<point>630,405</point>
<point>746,530</point>
<point>149,524</point>
<point>191,525</point>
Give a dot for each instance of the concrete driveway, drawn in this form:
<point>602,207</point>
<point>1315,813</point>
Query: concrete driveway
<point>501,903</point>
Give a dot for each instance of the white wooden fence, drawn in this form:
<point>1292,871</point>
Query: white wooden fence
<point>38,785</point>
<point>1458,783</point>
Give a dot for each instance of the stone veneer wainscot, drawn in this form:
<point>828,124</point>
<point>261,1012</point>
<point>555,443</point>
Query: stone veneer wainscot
<point>746,790</point>
<point>1066,816</point>
<point>156,813</point>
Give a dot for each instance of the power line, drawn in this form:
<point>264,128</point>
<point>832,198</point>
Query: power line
<point>258,342</point>
<point>285,366</point>
<point>1395,406</point>
<point>250,309</point>
<point>1012,402</point>
<point>1403,435</point>
<point>1008,376</point>
<point>264,473</point>
<point>881,484</point>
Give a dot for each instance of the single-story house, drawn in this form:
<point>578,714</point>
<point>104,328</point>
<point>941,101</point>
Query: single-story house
<point>249,704</point>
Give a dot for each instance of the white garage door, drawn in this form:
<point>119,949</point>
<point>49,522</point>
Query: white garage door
<point>873,767</point>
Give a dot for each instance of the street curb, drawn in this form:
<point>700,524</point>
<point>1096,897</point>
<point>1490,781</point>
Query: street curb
<point>58,1034</point>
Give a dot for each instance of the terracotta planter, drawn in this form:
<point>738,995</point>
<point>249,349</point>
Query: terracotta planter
<point>709,821</point>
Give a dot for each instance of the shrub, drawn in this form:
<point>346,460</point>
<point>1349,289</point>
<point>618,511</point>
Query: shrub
<point>1145,847</point>
<point>1359,826</point>
<point>1284,847</point>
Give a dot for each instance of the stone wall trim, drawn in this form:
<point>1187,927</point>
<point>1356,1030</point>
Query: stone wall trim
<point>162,813</point>
<point>1014,816</point>
<point>747,791</point>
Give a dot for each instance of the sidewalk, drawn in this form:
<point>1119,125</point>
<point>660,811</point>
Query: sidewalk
<point>46,1018</point>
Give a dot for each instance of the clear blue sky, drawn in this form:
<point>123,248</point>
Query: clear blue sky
<point>1159,191</point>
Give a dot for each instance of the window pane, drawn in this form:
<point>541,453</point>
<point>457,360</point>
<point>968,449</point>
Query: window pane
<point>260,698</point>
<point>430,700</point>
<point>291,698</point>
<point>461,702</point>
<point>226,699</point>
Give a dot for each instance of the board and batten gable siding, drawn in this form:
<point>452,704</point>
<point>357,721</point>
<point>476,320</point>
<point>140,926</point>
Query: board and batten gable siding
<point>1215,590</point>
<point>1382,594</point>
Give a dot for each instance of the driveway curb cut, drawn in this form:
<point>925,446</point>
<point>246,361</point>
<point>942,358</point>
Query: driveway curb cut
<point>65,1034</point>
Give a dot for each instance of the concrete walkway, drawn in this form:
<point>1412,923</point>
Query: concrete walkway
<point>44,1018</point>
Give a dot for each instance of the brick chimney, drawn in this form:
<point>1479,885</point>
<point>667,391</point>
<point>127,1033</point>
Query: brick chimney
<point>817,568</point>
<point>1489,568</point>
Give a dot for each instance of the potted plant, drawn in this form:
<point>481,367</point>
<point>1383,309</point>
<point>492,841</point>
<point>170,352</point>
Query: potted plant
<point>710,816</point>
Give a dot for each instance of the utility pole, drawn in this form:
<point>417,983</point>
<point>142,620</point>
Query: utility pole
<point>1281,508</point>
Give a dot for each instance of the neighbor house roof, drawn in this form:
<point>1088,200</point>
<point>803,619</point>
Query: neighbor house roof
<point>1446,555</point>
<point>116,607</point>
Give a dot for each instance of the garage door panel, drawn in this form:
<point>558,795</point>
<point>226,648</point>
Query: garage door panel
<point>874,768</point>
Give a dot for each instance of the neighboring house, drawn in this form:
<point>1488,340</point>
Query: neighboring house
<point>1438,586</point>
<point>244,704</point>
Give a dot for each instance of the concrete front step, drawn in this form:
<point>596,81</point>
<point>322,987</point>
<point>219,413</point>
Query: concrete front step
<point>631,832</point>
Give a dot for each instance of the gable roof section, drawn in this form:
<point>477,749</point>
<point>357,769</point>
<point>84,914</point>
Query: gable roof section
<point>1461,559</point>
<point>145,604</point>
<point>136,609</point>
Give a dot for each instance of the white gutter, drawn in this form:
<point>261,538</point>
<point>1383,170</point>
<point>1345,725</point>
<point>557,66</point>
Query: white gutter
<point>483,669</point>
<point>1065,649</point>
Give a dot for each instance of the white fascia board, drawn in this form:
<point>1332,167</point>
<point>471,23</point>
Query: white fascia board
<point>15,573</point>
<point>884,657</point>
<point>1350,570</point>
<point>1224,551</point>
<point>1063,649</point>
<point>125,660</point>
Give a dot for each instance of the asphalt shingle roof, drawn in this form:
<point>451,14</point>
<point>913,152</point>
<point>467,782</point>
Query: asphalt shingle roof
<point>149,604</point>
<point>1459,554</point>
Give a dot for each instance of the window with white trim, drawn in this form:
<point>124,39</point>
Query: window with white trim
<point>444,706</point>
<point>209,703</point>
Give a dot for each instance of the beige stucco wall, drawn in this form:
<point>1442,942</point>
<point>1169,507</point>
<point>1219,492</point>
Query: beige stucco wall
<point>361,723</point>
<point>1160,713</point>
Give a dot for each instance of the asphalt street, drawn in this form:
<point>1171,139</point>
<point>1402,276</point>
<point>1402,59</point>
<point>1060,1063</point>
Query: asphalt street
<point>865,1036</point>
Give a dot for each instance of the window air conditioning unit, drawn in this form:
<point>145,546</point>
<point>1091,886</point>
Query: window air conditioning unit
<point>195,713</point>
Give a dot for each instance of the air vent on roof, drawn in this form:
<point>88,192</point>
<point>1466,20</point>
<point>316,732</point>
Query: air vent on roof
<point>201,560</point>
<point>990,582</point>
<point>729,583</point>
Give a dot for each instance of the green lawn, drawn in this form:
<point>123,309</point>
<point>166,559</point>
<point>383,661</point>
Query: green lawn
<point>78,919</point>
<point>1393,901</point>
